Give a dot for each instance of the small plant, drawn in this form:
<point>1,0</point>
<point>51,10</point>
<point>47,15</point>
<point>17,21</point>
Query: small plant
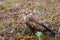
<point>39,35</point>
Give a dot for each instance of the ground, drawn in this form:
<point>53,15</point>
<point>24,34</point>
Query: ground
<point>46,10</point>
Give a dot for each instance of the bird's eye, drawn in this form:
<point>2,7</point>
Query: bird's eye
<point>25,13</point>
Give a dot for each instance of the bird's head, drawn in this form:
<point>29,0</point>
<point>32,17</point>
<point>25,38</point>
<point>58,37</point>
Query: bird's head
<point>26,13</point>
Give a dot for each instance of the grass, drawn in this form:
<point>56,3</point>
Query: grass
<point>7,4</point>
